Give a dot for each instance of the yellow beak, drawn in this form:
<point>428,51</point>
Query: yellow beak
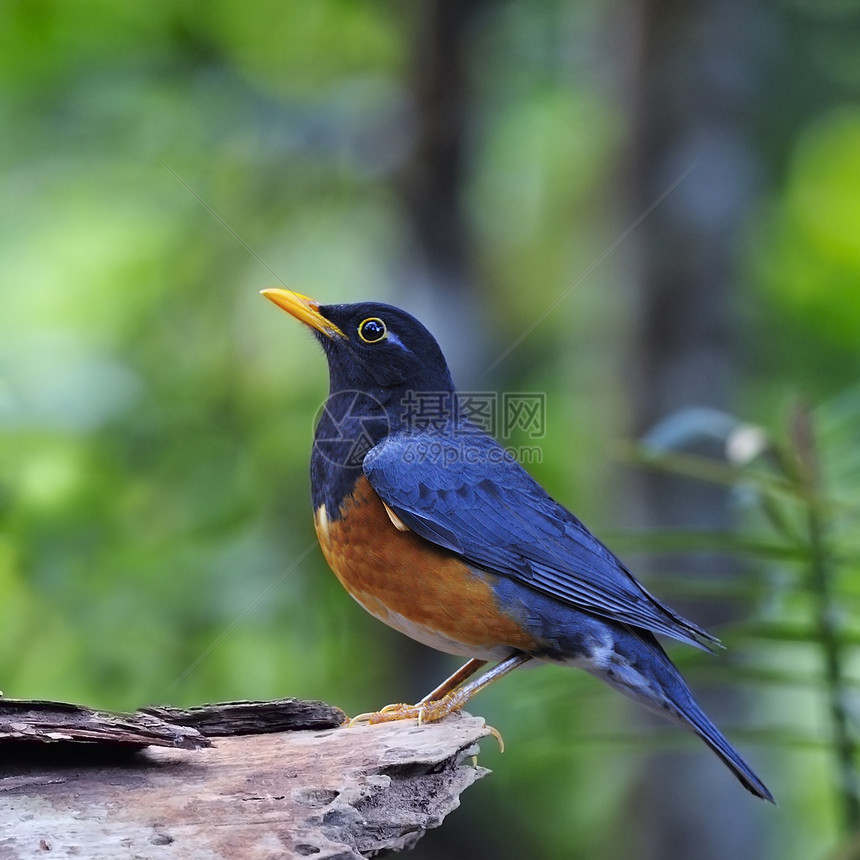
<point>303,309</point>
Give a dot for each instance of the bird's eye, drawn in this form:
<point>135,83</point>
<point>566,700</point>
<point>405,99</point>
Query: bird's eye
<point>372,330</point>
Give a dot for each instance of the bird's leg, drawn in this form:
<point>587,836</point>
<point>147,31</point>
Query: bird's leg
<point>465,671</point>
<point>435,709</point>
<point>447,697</point>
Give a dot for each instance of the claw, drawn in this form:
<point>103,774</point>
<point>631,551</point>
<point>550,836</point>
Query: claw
<point>388,709</point>
<point>388,714</point>
<point>424,712</point>
<point>498,736</point>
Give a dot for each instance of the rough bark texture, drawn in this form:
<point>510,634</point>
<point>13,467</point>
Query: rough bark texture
<point>251,718</point>
<point>24,723</point>
<point>327,793</point>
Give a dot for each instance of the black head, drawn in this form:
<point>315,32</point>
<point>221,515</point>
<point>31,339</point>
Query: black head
<point>380,359</point>
<point>371,347</point>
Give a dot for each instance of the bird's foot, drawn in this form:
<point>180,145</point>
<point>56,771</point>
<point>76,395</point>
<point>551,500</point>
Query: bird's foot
<point>424,712</point>
<point>384,715</point>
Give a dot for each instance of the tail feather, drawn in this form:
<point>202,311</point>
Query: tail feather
<point>636,665</point>
<point>711,735</point>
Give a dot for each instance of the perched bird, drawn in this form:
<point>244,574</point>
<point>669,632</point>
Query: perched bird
<point>436,530</point>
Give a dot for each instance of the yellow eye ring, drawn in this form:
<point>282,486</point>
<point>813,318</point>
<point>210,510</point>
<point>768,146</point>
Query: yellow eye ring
<point>372,330</point>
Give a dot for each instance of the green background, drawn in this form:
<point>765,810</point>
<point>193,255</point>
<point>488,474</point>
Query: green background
<point>163,162</point>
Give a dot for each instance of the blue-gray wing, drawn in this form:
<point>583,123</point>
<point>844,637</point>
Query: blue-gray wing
<point>467,494</point>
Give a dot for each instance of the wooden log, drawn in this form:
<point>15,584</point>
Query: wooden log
<point>86,786</point>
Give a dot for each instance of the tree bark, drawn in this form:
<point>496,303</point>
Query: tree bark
<point>81,783</point>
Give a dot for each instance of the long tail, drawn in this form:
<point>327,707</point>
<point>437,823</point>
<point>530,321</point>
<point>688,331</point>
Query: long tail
<point>697,720</point>
<point>637,666</point>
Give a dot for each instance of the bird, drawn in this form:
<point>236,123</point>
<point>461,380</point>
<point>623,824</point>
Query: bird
<point>435,529</point>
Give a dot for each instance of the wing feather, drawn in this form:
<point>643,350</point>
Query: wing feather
<point>467,494</point>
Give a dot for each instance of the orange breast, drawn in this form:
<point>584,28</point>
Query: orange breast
<point>413,585</point>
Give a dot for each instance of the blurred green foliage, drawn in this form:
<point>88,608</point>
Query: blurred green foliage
<point>807,256</point>
<point>163,162</point>
<point>797,489</point>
